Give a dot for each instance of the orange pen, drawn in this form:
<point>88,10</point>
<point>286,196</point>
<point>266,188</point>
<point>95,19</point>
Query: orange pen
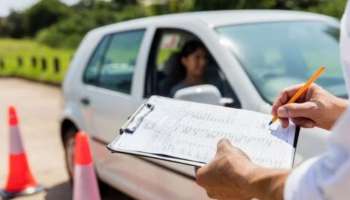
<point>303,89</point>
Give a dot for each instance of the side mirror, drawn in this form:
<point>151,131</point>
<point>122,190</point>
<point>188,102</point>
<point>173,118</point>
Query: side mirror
<point>203,94</point>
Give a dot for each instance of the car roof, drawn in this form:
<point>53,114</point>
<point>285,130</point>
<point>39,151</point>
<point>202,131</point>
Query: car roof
<point>217,18</point>
<point>225,17</point>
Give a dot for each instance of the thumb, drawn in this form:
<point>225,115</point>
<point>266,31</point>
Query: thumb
<point>224,145</point>
<point>293,110</point>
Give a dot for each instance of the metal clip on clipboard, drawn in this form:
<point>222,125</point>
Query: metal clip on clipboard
<point>136,119</point>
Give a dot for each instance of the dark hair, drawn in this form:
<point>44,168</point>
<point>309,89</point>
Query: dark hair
<point>189,47</point>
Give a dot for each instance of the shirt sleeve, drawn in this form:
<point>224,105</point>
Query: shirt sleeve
<point>327,176</point>
<point>324,177</point>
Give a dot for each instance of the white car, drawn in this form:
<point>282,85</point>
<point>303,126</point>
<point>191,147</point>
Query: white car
<point>253,55</point>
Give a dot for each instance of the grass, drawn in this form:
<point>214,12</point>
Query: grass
<point>11,50</point>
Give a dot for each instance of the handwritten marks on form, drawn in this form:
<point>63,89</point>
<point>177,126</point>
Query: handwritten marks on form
<point>190,131</point>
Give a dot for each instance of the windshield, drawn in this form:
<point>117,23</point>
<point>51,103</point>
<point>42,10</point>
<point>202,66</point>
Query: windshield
<point>280,54</point>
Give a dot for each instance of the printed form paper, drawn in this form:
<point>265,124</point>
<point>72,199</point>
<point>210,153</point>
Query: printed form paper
<point>191,131</point>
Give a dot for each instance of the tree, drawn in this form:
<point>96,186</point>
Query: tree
<point>123,3</point>
<point>44,14</point>
<point>232,4</point>
<point>330,7</point>
<point>13,26</point>
<point>68,32</point>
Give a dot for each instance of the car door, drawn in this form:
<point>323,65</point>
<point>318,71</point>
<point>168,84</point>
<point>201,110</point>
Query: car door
<point>166,44</point>
<point>108,95</point>
<point>163,61</point>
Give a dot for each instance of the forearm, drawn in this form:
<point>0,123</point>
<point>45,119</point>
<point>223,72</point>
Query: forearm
<point>268,184</point>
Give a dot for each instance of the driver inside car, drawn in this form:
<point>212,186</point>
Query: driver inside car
<point>191,65</point>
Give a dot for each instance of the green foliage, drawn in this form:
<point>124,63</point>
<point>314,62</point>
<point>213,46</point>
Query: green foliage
<point>68,33</point>
<point>13,26</point>
<point>44,14</point>
<point>130,12</point>
<point>11,50</point>
<point>55,24</point>
<point>237,4</point>
<point>123,3</point>
<point>330,7</point>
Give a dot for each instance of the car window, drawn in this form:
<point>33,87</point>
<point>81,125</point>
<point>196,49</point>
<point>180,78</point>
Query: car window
<point>169,45</point>
<point>164,62</point>
<point>92,69</point>
<point>279,54</point>
<point>119,60</point>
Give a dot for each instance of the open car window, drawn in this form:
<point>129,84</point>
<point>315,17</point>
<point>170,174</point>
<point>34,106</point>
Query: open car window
<point>164,61</point>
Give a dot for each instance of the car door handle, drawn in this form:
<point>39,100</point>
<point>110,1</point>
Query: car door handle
<point>85,101</point>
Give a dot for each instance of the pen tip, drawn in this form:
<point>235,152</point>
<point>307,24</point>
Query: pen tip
<point>270,123</point>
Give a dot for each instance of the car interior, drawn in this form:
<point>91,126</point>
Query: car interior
<point>163,62</point>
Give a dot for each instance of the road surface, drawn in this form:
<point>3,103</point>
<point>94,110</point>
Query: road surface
<point>38,107</point>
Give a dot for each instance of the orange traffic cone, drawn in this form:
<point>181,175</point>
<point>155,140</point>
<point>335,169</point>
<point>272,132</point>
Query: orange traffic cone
<point>85,184</point>
<point>20,179</point>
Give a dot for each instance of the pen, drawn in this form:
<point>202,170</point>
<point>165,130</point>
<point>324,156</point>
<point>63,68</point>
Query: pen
<point>302,89</point>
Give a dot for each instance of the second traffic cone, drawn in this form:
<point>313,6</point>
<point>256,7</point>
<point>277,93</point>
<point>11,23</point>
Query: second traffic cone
<point>20,179</point>
<point>85,183</point>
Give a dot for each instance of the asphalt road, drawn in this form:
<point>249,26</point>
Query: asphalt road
<point>38,107</point>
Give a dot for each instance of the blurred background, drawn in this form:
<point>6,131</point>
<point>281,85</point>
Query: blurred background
<point>38,38</point>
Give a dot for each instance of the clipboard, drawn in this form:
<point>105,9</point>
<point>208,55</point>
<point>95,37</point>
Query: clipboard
<point>130,126</point>
<point>136,119</point>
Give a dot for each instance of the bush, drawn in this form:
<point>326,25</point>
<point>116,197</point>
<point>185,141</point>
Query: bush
<point>11,50</point>
<point>333,8</point>
<point>68,33</point>
<point>44,14</point>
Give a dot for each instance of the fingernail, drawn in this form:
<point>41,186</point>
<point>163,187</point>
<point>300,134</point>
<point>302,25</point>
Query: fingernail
<point>282,112</point>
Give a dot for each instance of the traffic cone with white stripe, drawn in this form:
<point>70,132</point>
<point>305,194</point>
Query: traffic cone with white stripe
<point>20,179</point>
<point>85,183</point>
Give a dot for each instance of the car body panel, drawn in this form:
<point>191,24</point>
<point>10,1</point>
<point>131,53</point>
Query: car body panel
<point>142,179</point>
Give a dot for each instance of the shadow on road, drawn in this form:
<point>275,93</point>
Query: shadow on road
<point>64,191</point>
<point>60,191</point>
<point>109,193</point>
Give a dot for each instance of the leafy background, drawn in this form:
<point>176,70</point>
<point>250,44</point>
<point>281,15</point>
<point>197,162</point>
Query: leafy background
<point>52,30</point>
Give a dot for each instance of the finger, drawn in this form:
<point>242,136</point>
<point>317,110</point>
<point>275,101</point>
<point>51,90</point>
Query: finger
<point>214,193</point>
<point>284,97</point>
<point>201,174</point>
<point>224,145</point>
<point>211,194</point>
<point>290,91</point>
<point>284,122</point>
<point>304,122</point>
<point>280,100</point>
<point>238,151</point>
<point>206,174</point>
<point>196,169</point>
<point>293,110</point>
